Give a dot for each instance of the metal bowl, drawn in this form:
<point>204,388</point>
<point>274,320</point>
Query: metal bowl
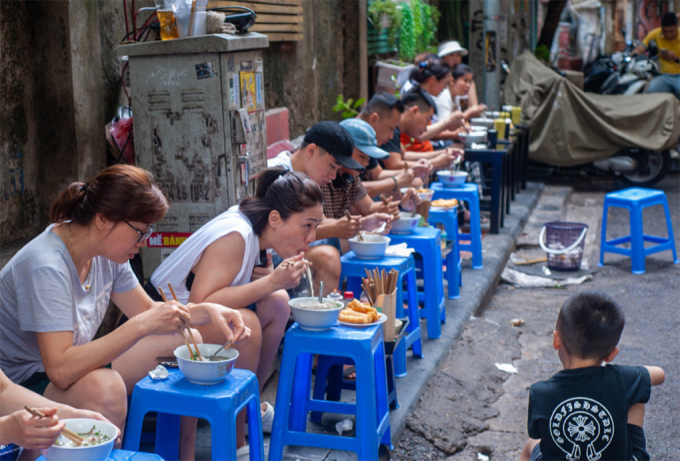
<point>406,223</point>
<point>314,319</point>
<point>99,452</point>
<point>373,246</point>
<point>485,122</point>
<point>206,373</point>
<point>452,178</point>
<point>472,136</point>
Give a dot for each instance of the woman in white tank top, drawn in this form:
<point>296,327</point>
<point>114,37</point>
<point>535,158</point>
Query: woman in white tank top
<point>220,260</point>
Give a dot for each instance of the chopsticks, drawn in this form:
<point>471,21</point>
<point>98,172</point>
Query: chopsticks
<point>68,433</point>
<point>191,353</point>
<point>379,283</point>
<point>290,263</point>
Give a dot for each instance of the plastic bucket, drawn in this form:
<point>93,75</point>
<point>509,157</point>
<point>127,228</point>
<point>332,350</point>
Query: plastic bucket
<point>563,242</point>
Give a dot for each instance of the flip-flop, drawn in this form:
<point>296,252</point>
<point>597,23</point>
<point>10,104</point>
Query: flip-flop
<point>348,371</point>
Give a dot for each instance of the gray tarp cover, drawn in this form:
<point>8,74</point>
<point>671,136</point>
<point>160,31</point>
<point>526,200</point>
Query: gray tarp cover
<point>572,127</point>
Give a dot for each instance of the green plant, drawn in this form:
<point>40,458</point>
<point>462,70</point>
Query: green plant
<point>380,9</point>
<point>349,108</point>
<point>418,28</point>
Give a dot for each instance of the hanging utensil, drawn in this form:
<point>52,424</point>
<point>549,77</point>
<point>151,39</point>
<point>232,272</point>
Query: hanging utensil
<point>321,291</point>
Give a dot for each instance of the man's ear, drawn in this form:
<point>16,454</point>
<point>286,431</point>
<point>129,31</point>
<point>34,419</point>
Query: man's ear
<point>557,343</point>
<point>275,219</point>
<point>373,119</point>
<point>612,355</point>
<point>311,150</point>
<point>413,110</point>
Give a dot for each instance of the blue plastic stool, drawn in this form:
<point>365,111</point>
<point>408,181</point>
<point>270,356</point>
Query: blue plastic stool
<point>469,193</point>
<point>426,241</point>
<point>330,382</point>
<point>125,455</point>
<point>454,264</point>
<point>355,268</point>
<point>366,348</point>
<point>219,404</point>
<point>635,199</point>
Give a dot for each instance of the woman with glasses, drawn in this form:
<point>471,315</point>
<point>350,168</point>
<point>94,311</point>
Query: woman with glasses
<point>55,291</point>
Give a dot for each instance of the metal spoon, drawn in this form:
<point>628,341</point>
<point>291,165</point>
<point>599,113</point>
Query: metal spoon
<point>321,291</point>
<point>225,347</point>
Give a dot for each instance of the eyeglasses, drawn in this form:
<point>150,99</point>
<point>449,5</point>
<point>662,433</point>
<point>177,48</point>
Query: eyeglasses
<point>142,235</point>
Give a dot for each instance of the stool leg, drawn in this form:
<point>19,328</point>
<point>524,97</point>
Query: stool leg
<point>301,389</point>
<point>399,353</point>
<point>283,404</point>
<point>413,313</point>
<point>381,391</point>
<point>392,399</point>
<point>255,439</point>
<point>637,240</point>
<point>223,437</point>
<point>167,436</point>
<point>475,233</point>
<point>669,225</point>
<point>603,232</point>
<point>367,409</point>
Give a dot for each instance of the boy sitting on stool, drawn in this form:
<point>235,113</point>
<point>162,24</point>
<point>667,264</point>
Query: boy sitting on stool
<point>589,411</point>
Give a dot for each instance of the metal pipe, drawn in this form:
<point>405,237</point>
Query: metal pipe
<point>492,73</point>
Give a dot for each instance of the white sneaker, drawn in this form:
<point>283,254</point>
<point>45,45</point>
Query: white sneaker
<point>243,453</point>
<point>267,419</point>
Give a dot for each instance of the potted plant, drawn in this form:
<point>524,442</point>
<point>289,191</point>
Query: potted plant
<point>385,16</point>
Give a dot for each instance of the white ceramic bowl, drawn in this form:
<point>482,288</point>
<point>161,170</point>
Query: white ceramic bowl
<point>452,179</point>
<point>91,453</point>
<point>373,246</point>
<point>479,128</point>
<point>485,122</point>
<point>405,224</point>
<point>423,195</point>
<point>472,136</point>
<point>314,319</point>
<point>206,373</point>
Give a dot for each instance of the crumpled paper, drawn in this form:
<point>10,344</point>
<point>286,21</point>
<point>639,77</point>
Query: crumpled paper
<point>159,373</point>
<point>506,367</point>
<point>345,425</point>
<point>399,250</point>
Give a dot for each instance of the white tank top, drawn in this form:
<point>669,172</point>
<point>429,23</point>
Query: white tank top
<point>175,269</point>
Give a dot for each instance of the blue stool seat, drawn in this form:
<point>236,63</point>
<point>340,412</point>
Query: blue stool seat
<point>366,348</point>
<point>355,268</point>
<point>426,241</point>
<point>125,455</point>
<point>454,264</point>
<point>219,404</point>
<point>468,193</point>
<point>635,199</point>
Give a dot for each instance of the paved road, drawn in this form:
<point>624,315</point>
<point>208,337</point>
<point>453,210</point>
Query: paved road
<point>470,407</point>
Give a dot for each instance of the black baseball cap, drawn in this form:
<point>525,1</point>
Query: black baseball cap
<point>336,140</point>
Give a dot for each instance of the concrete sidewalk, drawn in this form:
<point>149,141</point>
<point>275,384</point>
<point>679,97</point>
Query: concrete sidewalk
<point>479,286</point>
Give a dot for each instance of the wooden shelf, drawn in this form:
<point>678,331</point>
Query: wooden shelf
<point>279,20</point>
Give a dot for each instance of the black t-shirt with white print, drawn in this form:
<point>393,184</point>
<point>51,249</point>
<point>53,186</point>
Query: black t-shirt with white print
<point>582,413</point>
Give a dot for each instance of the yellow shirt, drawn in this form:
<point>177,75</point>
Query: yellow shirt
<point>667,67</point>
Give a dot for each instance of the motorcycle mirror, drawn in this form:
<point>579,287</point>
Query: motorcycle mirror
<point>653,48</point>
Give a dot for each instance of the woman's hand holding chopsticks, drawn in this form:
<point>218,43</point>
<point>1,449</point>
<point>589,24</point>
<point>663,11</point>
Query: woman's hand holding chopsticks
<point>166,317</point>
<point>31,432</point>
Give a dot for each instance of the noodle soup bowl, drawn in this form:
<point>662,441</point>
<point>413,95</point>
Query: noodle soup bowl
<point>406,223</point>
<point>99,452</point>
<point>371,247</point>
<point>206,373</point>
<point>452,178</point>
<point>314,319</point>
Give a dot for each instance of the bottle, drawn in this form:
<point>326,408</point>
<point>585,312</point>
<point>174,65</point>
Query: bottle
<point>492,138</point>
<point>349,296</point>
<point>499,125</point>
<point>335,296</point>
<point>166,16</point>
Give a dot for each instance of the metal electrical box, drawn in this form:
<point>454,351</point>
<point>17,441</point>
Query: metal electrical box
<point>199,127</point>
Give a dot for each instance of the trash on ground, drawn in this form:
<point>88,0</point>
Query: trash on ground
<point>517,322</point>
<point>520,279</point>
<point>482,457</point>
<point>545,270</point>
<point>506,367</point>
<point>517,260</point>
<point>344,426</point>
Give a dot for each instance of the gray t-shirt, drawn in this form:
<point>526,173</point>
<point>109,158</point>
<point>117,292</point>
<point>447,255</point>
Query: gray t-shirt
<point>40,292</point>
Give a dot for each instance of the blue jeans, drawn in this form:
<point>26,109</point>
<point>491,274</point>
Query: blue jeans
<point>666,83</point>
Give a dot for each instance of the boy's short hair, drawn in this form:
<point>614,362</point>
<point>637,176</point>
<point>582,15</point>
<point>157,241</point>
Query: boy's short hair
<point>419,97</point>
<point>590,325</point>
<point>383,104</point>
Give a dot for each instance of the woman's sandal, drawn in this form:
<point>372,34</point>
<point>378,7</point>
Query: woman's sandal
<point>347,372</point>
